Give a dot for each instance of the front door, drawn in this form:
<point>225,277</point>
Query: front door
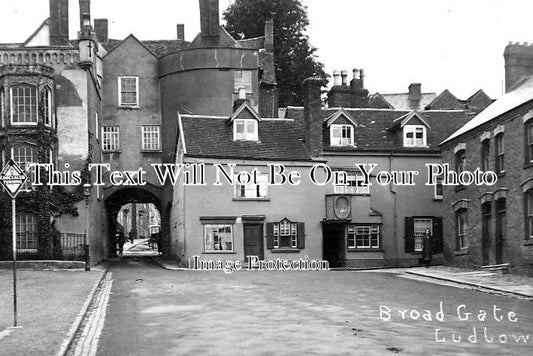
<point>486,233</point>
<point>334,244</point>
<point>253,241</point>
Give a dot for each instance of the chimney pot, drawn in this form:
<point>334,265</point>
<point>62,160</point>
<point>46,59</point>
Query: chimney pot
<point>336,77</point>
<point>344,77</point>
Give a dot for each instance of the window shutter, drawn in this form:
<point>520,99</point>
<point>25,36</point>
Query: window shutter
<point>437,235</point>
<point>301,236</point>
<point>409,234</point>
<point>270,235</point>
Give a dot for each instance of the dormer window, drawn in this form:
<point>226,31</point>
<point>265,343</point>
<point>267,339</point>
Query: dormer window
<point>341,135</point>
<point>245,130</point>
<point>414,136</point>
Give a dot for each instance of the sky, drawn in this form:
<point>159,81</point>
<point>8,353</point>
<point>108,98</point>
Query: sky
<point>443,44</point>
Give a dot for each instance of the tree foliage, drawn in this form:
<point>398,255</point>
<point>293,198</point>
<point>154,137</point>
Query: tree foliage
<point>295,57</point>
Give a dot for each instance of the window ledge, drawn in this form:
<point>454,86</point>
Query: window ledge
<point>462,252</point>
<point>501,174</point>
<point>528,165</point>
<point>116,151</point>
<point>151,151</point>
<point>251,199</point>
<point>219,253</point>
<point>365,250</point>
<point>458,188</point>
<point>128,107</point>
<point>528,243</point>
<point>437,199</point>
<point>285,250</point>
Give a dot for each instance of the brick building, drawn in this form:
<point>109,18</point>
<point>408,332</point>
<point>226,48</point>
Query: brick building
<point>493,224</point>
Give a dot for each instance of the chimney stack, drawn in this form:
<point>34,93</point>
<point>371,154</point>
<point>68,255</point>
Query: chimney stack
<point>313,115</point>
<point>59,23</point>
<point>101,29</point>
<point>209,21</point>
<point>85,8</point>
<point>180,32</point>
<point>415,96</point>
<point>269,36</point>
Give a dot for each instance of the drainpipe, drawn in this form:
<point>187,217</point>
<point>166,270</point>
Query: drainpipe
<point>395,221</point>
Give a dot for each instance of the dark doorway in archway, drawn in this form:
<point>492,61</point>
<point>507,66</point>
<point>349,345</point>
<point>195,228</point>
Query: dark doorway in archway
<point>134,218</point>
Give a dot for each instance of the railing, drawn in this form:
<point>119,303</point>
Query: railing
<point>72,246</point>
<point>39,56</point>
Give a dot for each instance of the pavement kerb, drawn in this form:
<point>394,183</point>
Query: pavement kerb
<point>81,315</point>
<point>475,285</point>
<point>169,268</point>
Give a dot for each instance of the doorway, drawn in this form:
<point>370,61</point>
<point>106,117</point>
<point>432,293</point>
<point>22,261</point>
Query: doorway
<point>253,241</point>
<point>501,228</point>
<point>334,244</point>
<point>486,216</point>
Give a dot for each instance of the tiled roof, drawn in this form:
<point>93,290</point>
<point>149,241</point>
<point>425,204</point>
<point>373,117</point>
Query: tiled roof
<point>158,47</point>
<point>253,43</point>
<point>212,137</point>
<point>522,93</point>
<point>400,101</point>
<point>377,131</point>
<point>445,101</point>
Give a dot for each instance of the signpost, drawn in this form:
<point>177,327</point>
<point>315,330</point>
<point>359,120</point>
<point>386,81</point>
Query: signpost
<point>12,178</point>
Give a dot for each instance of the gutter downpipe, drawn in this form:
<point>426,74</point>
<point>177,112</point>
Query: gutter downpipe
<point>395,222</point>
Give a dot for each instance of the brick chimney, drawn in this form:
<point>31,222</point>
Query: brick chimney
<point>59,23</point>
<point>342,95</point>
<point>269,36</point>
<point>209,21</point>
<point>358,86</point>
<point>101,28</point>
<point>180,31</point>
<point>313,115</point>
<point>415,96</point>
<point>85,8</point>
<point>518,62</point>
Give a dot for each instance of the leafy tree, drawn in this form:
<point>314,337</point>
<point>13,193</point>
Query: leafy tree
<point>295,57</point>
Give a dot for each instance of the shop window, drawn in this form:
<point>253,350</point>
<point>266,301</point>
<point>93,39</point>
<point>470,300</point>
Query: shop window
<point>218,237</point>
<point>364,236</point>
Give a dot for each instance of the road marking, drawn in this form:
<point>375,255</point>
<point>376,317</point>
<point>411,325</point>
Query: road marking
<point>88,343</point>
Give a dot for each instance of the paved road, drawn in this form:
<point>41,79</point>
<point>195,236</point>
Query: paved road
<point>153,311</point>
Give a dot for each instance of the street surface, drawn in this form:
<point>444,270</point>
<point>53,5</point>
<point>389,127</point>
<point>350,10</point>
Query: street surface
<point>153,311</point>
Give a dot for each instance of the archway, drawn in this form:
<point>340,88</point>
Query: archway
<point>118,198</point>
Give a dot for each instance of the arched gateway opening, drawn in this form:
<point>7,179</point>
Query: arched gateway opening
<point>134,213</point>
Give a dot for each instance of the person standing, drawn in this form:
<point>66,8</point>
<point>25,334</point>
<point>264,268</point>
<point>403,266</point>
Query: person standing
<point>120,240</point>
<point>427,248</point>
